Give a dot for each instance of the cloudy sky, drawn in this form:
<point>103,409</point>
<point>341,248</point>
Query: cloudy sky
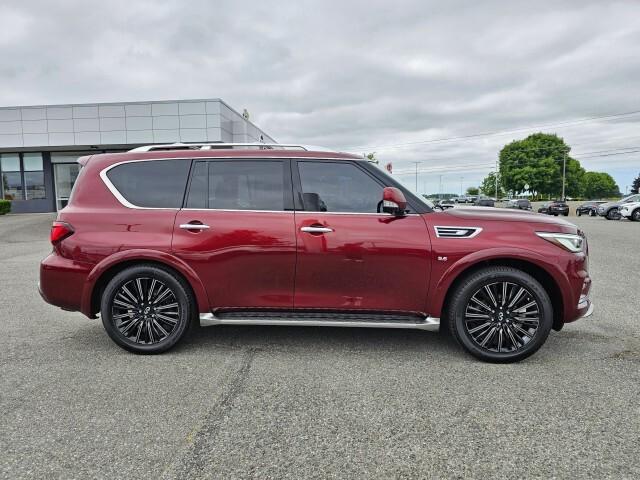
<point>391,77</point>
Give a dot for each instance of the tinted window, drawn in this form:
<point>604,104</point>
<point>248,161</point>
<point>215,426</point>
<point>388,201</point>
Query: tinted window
<point>156,183</point>
<point>338,187</point>
<point>238,185</point>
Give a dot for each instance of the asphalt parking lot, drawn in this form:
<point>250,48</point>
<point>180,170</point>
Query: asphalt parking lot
<point>272,402</point>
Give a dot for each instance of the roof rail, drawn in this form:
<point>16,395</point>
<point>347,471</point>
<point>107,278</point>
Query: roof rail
<point>218,145</point>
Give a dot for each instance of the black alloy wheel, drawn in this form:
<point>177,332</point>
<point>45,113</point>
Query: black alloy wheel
<point>578,212</point>
<point>500,314</point>
<point>146,309</point>
<point>635,215</point>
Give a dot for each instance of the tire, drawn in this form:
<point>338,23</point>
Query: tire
<point>613,214</point>
<point>566,214</point>
<point>593,213</point>
<point>529,331</point>
<point>578,213</point>
<point>147,309</point>
<point>635,215</point>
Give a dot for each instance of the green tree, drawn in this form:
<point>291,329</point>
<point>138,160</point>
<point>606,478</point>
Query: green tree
<point>537,161</point>
<point>371,157</point>
<point>472,191</point>
<point>635,186</point>
<point>599,185</point>
<point>488,186</point>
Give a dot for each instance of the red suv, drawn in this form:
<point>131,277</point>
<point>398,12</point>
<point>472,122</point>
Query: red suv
<point>160,237</point>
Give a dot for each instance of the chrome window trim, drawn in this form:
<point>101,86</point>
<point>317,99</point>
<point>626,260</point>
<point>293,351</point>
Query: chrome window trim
<point>116,193</point>
<point>476,232</point>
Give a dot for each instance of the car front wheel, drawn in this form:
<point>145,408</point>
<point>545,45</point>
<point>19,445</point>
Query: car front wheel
<point>635,215</point>
<point>613,214</point>
<point>500,314</point>
<point>578,213</point>
<point>147,309</point>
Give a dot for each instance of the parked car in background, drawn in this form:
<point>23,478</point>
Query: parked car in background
<point>164,236</point>
<point>611,210</point>
<point>472,198</point>
<point>520,203</point>
<point>485,202</point>
<point>589,208</point>
<point>631,211</point>
<point>557,207</point>
<point>444,204</point>
<point>460,199</point>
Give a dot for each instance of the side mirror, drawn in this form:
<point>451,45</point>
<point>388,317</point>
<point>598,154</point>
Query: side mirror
<point>393,201</point>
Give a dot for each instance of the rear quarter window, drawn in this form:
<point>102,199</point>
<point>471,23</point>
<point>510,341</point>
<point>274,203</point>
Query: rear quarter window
<point>151,183</point>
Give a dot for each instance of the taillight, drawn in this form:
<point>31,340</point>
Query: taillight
<point>60,231</point>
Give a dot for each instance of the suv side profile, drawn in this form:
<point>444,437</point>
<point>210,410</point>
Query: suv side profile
<point>162,237</point>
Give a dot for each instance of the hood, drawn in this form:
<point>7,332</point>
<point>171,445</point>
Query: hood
<point>504,215</point>
<point>610,204</point>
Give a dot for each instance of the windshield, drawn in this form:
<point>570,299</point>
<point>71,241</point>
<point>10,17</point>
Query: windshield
<point>392,181</point>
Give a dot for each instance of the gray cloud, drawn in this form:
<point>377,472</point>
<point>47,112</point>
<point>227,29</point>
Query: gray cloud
<point>350,74</point>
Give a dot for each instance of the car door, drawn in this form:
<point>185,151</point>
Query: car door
<point>349,256</point>
<point>236,231</point>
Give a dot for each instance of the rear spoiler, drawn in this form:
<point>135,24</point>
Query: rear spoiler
<point>84,160</point>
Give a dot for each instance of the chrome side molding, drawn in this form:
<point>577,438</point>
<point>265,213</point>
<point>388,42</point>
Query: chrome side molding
<point>430,324</point>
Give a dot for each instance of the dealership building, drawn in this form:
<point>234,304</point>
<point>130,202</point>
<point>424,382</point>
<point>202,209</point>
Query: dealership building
<point>39,145</point>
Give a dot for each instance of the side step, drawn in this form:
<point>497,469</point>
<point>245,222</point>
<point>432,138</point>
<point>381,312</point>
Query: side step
<point>313,319</point>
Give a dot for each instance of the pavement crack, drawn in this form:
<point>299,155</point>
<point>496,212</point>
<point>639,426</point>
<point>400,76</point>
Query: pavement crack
<point>191,461</point>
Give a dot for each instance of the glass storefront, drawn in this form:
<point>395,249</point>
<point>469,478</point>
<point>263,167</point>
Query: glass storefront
<point>22,176</point>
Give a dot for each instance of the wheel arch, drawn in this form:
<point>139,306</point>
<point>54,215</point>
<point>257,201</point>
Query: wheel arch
<point>104,271</point>
<point>543,276</point>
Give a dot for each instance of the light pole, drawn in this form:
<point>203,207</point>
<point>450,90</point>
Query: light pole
<point>461,180</point>
<point>440,188</point>
<point>496,180</point>
<point>416,163</point>
<point>564,173</point>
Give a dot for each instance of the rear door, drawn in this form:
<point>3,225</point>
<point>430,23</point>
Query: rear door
<point>350,257</point>
<point>236,231</point>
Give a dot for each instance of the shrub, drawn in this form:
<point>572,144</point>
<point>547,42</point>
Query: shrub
<point>5,206</point>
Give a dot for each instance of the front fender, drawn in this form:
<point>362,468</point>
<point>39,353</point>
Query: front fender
<point>143,255</point>
<point>549,264</point>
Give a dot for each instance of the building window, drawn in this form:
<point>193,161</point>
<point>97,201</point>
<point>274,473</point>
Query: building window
<point>11,176</point>
<point>33,176</point>
<point>22,176</point>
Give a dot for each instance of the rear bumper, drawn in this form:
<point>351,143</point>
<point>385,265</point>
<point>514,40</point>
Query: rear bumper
<point>62,281</point>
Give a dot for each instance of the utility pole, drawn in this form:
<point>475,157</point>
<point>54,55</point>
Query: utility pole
<point>564,174</point>
<point>461,180</point>
<point>440,188</point>
<point>416,163</point>
<point>497,173</point>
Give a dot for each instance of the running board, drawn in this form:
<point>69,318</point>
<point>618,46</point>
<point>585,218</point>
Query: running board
<point>306,319</point>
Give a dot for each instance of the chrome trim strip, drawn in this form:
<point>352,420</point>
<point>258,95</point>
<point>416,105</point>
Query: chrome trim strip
<point>437,228</point>
<point>222,145</point>
<point>430,324</point>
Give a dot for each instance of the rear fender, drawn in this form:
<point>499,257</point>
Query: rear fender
<point>141,255</point>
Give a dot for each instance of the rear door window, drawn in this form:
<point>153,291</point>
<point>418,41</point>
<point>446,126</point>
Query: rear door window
<point>152,183</point>
<point>239,185</point>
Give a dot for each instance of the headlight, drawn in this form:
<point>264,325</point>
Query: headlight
<point>568,241</point>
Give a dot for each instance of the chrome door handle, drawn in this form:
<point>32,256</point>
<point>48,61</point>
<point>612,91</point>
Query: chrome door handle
<point>316,229</point>
<point>194,226</point>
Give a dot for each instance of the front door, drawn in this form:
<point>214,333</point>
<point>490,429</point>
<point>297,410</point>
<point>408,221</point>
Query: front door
<point>237,232</point>
<point>350,257</point>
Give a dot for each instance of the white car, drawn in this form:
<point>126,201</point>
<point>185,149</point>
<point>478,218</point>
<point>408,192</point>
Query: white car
<point>631,211</point>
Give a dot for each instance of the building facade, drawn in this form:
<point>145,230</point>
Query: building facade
<point>39,145</point>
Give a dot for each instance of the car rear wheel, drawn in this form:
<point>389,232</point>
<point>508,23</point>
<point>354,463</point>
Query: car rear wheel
<point>500,314</point>
<point>635,215</point>
<point>578,213</point>
<point>146,309</point>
